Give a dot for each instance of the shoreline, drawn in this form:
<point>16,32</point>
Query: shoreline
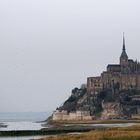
<point>66,128</point>
<point>91,122</point>
<point>40,132</point>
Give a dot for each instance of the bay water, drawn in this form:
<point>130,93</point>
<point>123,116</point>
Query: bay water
<point>22,121</point>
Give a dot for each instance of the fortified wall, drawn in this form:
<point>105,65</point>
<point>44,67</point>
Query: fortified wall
<point>72,116</point>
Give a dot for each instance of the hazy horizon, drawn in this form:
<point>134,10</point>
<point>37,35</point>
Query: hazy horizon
<point>48,47</point>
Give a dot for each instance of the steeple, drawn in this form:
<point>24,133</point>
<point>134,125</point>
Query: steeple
<point>123,42</point>
<point>124,59</point>
<point>124,54</point>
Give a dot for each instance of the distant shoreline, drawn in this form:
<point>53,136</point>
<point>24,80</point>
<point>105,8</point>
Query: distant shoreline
<point>50,122</point>
<point>2,125</point>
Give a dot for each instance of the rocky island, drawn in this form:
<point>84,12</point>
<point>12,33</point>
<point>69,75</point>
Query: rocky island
<point>115,94</point>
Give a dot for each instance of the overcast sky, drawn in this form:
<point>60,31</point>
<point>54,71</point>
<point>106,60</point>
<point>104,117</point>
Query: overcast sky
<point>48,47</point>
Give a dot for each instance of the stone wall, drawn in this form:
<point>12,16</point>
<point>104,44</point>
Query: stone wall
<point>111,110</point>
<point>135,116</point>
<point>109,80</point>
<point>72,116</point>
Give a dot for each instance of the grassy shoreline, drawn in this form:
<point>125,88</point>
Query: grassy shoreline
<point>55,130</point>
<point>126,133</point>
<point>37,132</point>
<point>93,122</point>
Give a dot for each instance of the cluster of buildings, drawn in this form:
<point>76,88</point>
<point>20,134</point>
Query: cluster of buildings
<point>125,75</point>
<point>122,76</point>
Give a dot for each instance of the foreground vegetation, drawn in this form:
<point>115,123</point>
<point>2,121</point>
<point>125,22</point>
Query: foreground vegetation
<point>127,133</point>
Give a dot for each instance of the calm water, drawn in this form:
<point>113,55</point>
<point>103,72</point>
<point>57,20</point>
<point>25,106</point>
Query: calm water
<point>21,126</point>
<point>22,121</point>
<point>24,116</point>
<point>21,138</point>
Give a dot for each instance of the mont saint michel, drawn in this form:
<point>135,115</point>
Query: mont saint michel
<point>115,94</point>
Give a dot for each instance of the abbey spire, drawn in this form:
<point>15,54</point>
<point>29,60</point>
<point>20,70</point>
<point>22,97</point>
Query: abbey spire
<point>124,54</point>
<point>123,42</point>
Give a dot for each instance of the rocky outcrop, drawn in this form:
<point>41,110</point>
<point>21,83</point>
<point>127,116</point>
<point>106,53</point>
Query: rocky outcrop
<point>82,105</point>
<point>80,100</point>
<point>111,110</point>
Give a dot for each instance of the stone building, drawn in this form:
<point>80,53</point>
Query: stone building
<point>125,75</point>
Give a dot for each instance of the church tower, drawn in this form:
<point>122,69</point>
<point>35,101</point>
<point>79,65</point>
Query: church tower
<point>124,57</point>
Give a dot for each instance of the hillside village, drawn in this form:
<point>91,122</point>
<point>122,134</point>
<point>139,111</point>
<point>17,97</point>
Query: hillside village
<point>115,94</point>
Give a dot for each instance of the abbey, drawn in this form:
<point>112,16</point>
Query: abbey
<point>125,75</point>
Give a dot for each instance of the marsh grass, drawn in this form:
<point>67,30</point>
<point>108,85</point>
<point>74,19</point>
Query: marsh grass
<point>127,133</point>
